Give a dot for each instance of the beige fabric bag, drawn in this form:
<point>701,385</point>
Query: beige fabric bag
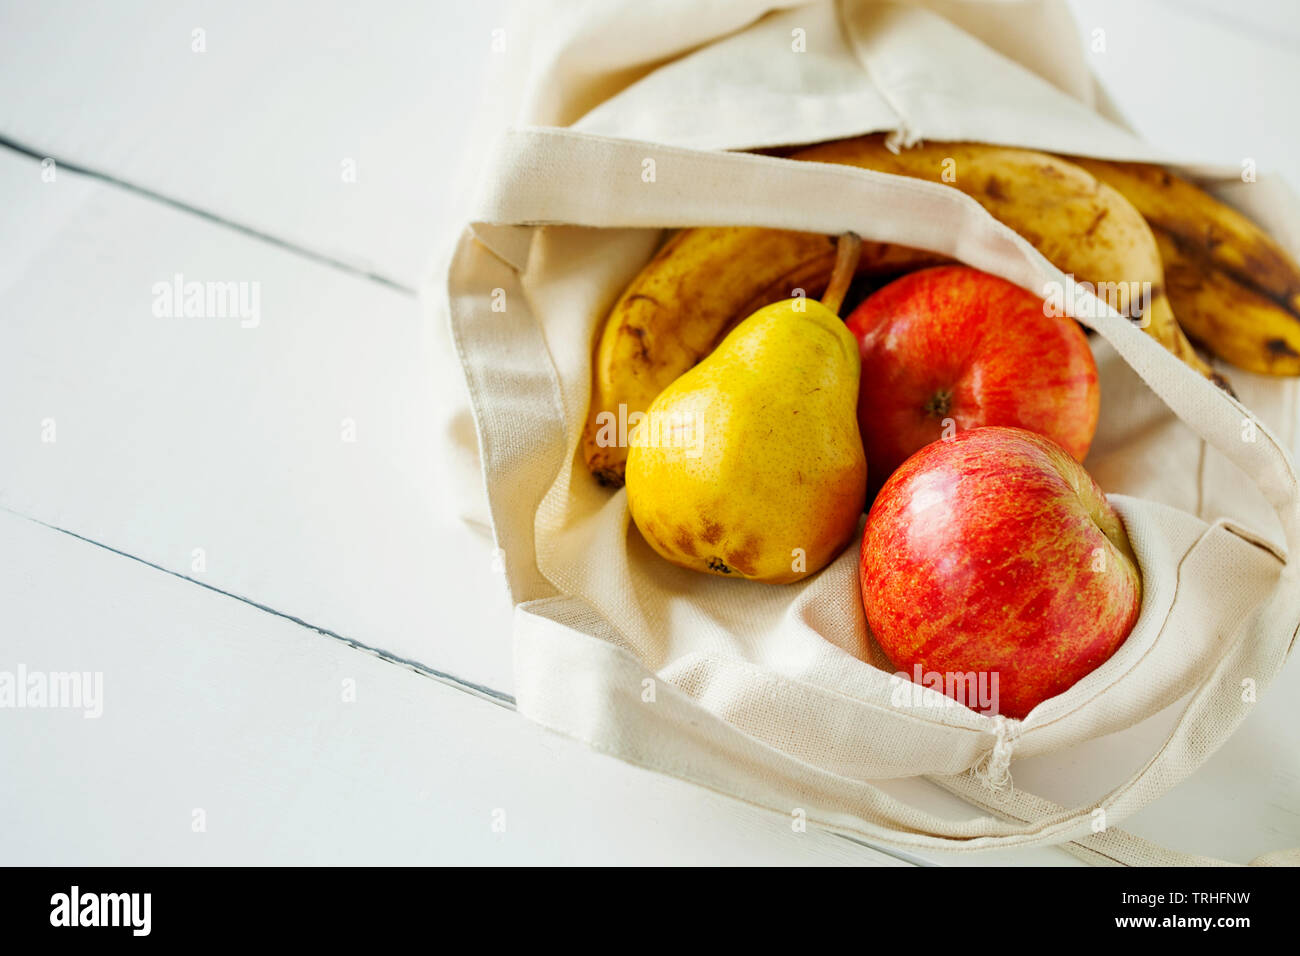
<point>777,695</point>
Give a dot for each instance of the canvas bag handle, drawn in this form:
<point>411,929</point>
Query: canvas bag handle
<point>546,175</point>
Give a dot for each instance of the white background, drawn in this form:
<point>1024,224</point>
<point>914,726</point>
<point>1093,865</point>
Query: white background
<point>224,678</point>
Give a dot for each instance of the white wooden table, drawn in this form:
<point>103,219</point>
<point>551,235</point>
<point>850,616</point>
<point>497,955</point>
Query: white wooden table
<point>252,585</point>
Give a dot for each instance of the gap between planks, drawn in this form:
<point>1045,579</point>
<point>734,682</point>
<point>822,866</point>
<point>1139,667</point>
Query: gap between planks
<point>317,257</point>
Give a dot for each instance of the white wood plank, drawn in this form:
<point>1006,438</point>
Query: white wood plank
<point>257,127</point>
<point>258,136</point>
<point>1202,78</point>
<point>213,705</point>
<point>1266,22</point>
<point>177,434</point>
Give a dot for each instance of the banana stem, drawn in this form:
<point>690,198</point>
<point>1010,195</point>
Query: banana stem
<point>848,249</point>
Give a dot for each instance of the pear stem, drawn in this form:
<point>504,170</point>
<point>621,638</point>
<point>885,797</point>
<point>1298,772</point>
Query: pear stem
<point>848,249</point>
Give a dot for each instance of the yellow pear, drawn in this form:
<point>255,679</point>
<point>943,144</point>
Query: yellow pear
<point>751,465</point>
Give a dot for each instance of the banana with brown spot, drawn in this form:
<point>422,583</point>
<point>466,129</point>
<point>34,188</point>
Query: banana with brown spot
<point>1234,288</point>
<point>1083,226</point>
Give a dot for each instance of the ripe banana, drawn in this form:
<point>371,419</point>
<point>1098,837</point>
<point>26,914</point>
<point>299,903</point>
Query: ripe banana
<point>1235,321</point>
<point>1081,225</point>
<point>1234,288</point>
<point>686,299</point>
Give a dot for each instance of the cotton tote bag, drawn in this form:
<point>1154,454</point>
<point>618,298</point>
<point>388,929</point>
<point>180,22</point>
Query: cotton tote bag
<point>778,695</point>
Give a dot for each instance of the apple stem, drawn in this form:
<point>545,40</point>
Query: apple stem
<point>848,249</point>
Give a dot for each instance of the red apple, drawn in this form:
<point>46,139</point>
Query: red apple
<point>995,553</point>
<point>953,348</point>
